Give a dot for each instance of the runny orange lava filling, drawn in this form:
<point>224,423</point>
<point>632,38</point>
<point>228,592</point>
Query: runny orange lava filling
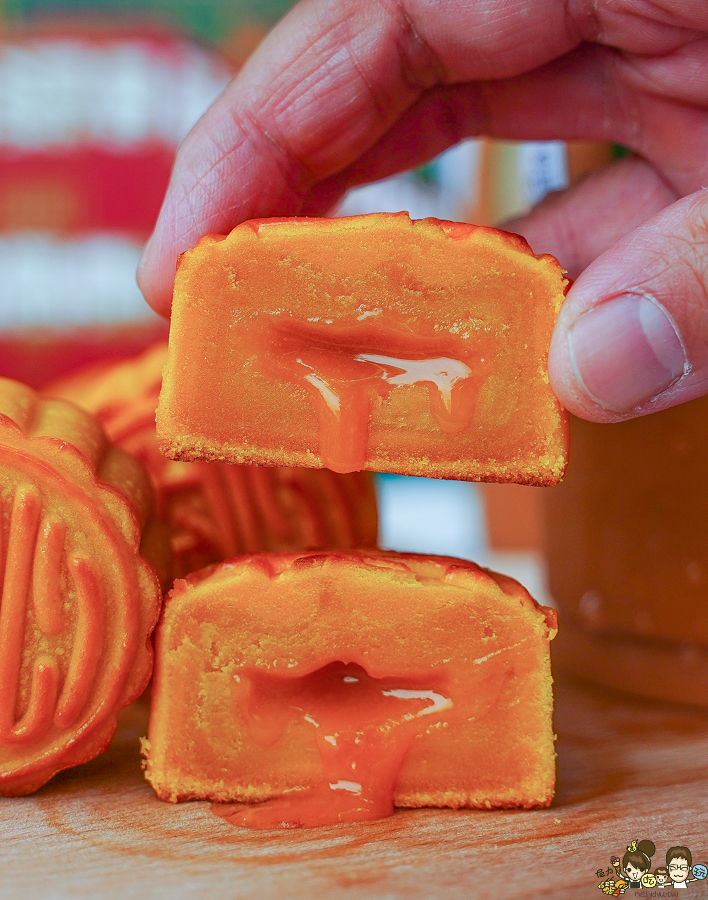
<point>363,728</point>
<point>344,369</point>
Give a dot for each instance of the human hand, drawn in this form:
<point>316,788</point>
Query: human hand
<point>342,93</point>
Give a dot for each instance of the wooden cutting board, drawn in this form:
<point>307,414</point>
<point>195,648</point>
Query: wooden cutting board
<point>627,769</point>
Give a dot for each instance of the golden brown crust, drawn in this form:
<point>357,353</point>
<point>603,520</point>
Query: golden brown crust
<point>79,602</point>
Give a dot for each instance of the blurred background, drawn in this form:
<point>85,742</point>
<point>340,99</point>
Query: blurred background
<point>95,98</point>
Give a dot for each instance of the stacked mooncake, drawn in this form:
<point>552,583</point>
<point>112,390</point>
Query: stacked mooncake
<point>335,685</point>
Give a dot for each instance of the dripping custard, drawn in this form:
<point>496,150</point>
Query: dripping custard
<point>344,369</point>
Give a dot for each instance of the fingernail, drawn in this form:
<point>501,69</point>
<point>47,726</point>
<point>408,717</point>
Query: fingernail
<point>626,351</point>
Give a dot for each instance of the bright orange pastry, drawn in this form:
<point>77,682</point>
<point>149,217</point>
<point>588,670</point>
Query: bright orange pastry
<point>214,510</point>
<point>370,342</point>
<point>342,684</point>
<point>79,601</point>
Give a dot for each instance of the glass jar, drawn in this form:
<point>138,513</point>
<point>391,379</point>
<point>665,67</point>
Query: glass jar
<point>627,551</point>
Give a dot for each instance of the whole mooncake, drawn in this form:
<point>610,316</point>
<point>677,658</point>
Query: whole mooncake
<point>215,510</point>
<point>79,601</point>
<point>370,342</point>
<point>337,685</point>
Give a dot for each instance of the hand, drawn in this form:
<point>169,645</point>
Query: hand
<point>343,92</point>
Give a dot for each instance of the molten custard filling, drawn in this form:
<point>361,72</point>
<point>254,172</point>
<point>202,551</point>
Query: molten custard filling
<point>344,370</point>
<point>362,726</point>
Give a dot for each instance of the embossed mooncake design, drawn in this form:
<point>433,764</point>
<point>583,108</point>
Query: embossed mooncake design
<point>215,510</point>
<point>370,342</point>
<point>337,685</point>
<point>79,602</point>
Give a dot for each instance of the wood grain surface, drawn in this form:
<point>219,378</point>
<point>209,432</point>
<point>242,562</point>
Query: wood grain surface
<point>627,769</point>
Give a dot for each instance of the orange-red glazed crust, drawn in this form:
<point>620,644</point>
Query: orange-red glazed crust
<point>216,510</point>
<point>367,342</point>
<point>79,602</point>
<point>471,636</point>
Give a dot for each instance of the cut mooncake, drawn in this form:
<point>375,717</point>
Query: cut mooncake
<point>79,601</point>
<point>343,684</point>
<point>370,342</point>
<point>215,510</point>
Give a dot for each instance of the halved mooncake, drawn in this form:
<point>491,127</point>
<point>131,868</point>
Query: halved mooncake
<point>215,510</point>
<point>79,601</point>
<point>343,684</point>
<point>370,342</point>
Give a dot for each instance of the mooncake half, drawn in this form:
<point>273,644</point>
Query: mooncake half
<point>79,601</point>
<point>370,342</point>
<point>342,684</point>
<point>215,510</point>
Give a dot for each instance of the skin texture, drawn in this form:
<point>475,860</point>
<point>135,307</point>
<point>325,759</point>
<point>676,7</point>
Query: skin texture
<point>342,93</point>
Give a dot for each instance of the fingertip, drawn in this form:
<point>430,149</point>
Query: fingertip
<point>155,277</point>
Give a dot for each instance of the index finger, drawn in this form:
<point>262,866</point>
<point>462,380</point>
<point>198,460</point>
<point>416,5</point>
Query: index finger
<point>333,79</point>
<point>324,86</point>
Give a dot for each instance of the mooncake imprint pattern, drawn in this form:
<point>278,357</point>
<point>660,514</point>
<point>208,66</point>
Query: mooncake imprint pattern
<point>78,601</point>
<point>217,510</point>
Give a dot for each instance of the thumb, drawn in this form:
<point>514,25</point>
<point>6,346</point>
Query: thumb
<point>632,336</point>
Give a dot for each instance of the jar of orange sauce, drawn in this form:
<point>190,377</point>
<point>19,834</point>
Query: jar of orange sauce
<point>627,551</point>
